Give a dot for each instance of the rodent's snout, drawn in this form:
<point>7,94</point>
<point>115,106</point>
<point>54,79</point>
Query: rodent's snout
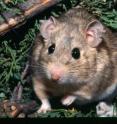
<point>55,75</point>
<point>56,72</point>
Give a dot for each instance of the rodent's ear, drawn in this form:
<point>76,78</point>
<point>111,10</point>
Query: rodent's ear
<point>94,32</point>
<point>47,27</point>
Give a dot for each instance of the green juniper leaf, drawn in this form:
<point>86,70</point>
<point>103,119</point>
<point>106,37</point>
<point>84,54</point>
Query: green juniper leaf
<point>2,95</point>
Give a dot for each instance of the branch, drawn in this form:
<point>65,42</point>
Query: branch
<point>10,20</point>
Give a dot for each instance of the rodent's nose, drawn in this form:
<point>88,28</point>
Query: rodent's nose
<point>56,73</point>
<point>55,76</point>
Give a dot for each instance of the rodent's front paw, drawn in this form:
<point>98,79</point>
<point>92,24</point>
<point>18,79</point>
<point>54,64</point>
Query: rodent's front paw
<point>68,100</point>
<point>44,108</point>
<point>104,110</point>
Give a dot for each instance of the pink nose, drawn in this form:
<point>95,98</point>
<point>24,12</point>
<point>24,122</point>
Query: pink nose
<point>55,76</point>
<point>56,73</point>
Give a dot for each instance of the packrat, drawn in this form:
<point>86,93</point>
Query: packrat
<point>74,56</point>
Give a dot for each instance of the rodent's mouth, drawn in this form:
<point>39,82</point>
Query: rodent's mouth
<point>59,81</point>
<point>64,80</point>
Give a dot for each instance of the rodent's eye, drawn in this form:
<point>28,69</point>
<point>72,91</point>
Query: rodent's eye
<point>75,53</point>
<point>51,49</point>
